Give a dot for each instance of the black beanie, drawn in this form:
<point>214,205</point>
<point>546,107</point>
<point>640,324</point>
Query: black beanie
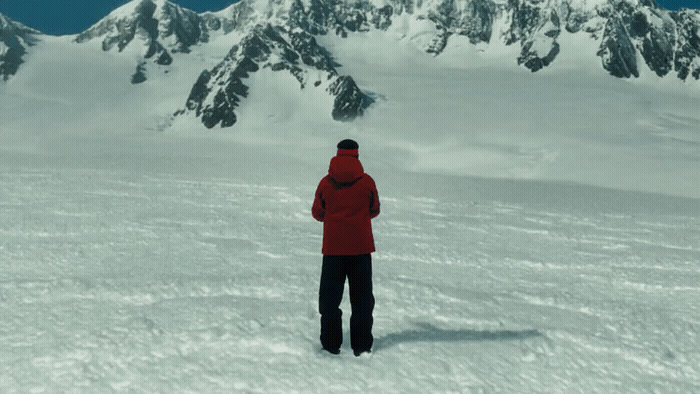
<point>348,144</point>
<point>348,148</point>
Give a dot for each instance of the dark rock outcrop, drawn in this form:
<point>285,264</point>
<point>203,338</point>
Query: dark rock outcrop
<point>617,51</point>
<point>657,38</point>
<point>687,50</point>
<point>140,75</point>
<point>15,38</point>
<point>536,29</point>
<point>349,99</point>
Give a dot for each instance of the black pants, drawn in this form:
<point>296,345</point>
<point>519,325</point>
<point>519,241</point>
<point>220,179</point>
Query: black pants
<point>358,270</point>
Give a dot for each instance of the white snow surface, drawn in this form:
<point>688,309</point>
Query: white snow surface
<point>539,232</point>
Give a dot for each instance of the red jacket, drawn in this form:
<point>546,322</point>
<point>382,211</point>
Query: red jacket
<point>346,201</point>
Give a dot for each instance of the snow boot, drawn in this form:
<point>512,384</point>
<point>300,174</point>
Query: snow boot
<point>358,353</point>
<point>332,351</point>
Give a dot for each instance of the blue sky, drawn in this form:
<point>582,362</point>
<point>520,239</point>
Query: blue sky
<point>60,17</point>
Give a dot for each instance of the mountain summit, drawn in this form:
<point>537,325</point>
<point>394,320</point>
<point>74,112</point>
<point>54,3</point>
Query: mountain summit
<point>158,27</point>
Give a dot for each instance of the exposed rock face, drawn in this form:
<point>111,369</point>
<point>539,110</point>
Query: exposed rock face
<point>140,74</point>
<point>536,30</point>
<point>666,40</point>
<point>657,40</point>
<point>617,51</point>
<point>218,92</point>
<point>687,50</point>
<point>159,26</point>
<point>14,40</point>
<point>349,99</point>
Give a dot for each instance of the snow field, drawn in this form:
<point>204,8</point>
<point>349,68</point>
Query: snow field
<point>116,281</point>
<point>144,253</point>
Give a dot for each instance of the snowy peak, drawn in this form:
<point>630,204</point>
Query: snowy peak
<point>7,24</point>
<point>15,38</point>
<point>245,15</point>
<point>154,20</point>
<point>156,27</point>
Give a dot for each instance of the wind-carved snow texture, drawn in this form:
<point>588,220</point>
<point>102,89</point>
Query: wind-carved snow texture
<point>218,92</point>
<point>113,280</point>
<point>159,26</point>
<point>14,40</point>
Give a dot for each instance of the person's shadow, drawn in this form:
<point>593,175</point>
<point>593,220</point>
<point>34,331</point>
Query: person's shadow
<point>428,333</point>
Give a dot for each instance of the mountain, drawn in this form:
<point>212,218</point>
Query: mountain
<point>630,37</point>
<point>14,40</point>
<point>629,33</point>
<point>217,92</point>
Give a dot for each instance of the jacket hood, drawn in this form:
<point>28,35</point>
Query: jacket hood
<point>345,169</point>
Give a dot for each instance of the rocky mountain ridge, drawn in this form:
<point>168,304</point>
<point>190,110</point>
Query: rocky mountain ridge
<point>631,35</point>
<point>666,40</point>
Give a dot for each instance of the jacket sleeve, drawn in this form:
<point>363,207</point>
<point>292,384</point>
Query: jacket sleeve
<point>318,210</point>
<point>373,200</point>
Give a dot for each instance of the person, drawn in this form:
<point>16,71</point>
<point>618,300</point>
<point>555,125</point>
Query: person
<point>346,200</point>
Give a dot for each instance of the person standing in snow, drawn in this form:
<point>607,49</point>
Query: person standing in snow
<point>346,201</point>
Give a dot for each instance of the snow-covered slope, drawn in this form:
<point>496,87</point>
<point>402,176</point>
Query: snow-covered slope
<point>195,269</point>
